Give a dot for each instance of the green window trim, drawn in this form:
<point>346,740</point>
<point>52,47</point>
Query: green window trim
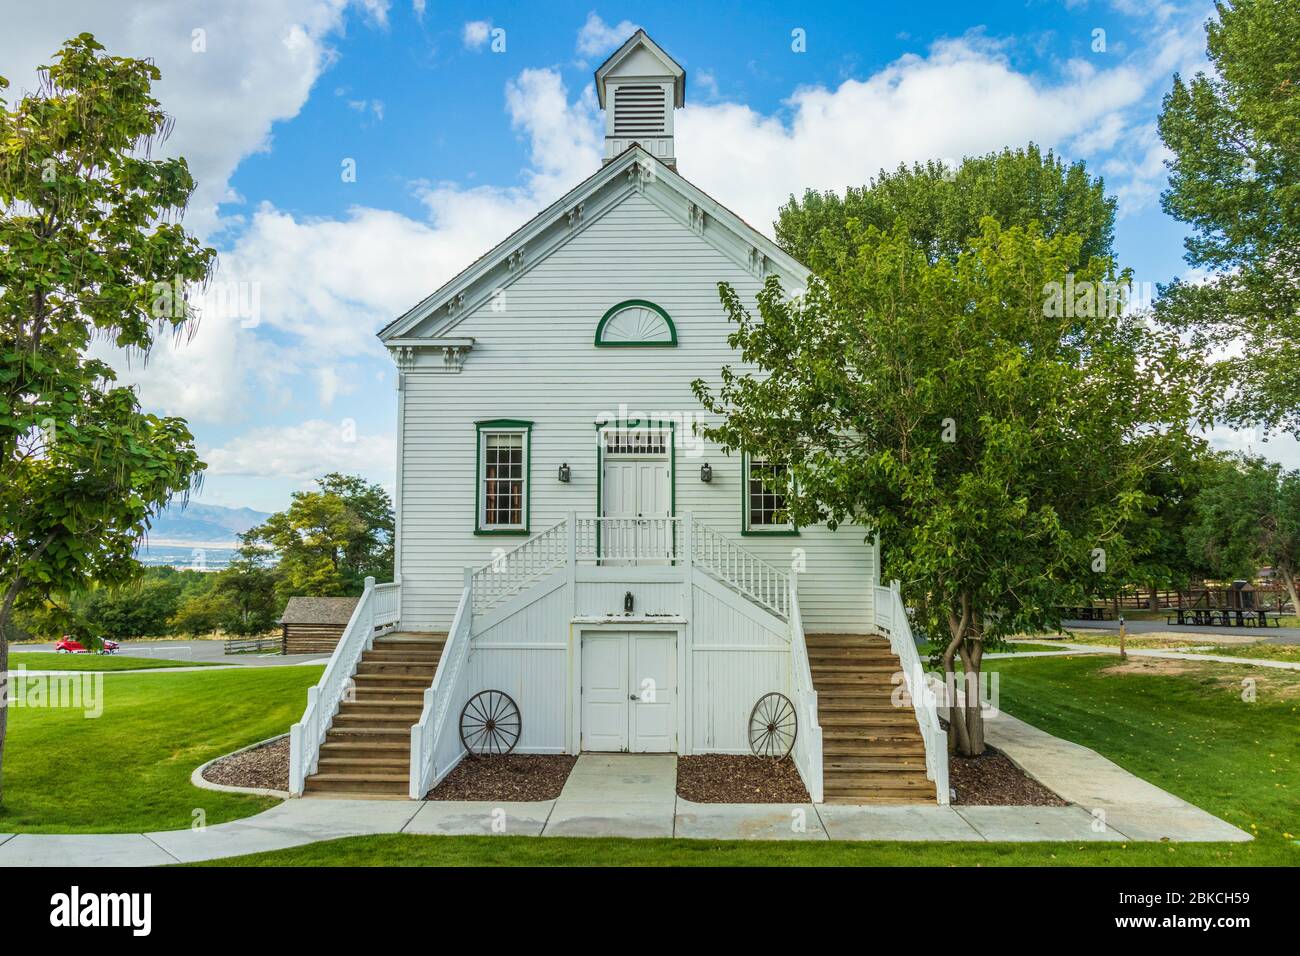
<point>512,426</point>
<point>761,531</point>
<point>671,342</point>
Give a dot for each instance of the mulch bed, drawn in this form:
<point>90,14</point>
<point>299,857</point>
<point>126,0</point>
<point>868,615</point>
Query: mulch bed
<point>506,777</point>
<point>266,766</point>
<point>992,780</point>
<point>739,778</point>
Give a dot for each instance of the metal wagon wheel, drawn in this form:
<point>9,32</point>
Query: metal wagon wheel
<point>773,725</point>
<point>490,724</point>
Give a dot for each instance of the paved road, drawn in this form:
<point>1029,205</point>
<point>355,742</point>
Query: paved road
<point>1273,635</point>
<point>207,651</point>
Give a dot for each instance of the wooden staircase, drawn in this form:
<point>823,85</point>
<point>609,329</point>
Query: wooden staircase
<point>367,752</point>
<point>872,750</point>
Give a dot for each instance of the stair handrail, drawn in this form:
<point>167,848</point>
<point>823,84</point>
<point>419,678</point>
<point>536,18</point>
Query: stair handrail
<point>512,571</point>
<point>378,606</point>
<point>739,568</point>
<point>427,733</point>
<point>808,735</point>
<point>891,617</point>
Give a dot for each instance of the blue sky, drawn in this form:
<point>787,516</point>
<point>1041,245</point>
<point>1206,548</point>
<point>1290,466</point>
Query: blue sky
<point>455,143</point>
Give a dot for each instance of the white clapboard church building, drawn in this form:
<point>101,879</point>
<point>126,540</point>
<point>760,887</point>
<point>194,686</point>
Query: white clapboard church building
<point>577,569</point>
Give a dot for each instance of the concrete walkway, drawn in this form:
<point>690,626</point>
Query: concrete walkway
<point>623,795</point>
<point>1068,648</point>
<point>1273,635</point>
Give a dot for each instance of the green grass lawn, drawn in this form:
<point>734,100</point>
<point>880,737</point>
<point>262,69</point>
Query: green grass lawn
<point>925,649</point>
<point>129,769</point>
<point>1188,732</point>
<point>38,661</point>
<point>1260,650</point>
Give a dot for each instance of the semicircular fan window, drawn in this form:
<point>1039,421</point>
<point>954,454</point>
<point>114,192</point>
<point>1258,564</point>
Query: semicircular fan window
<point>636,322</point>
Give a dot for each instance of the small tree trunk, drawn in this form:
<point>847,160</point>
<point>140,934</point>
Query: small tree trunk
<point>972,656</point>
<point>1153,597</point>
<point>1288,579</point>
<point>958,734</point>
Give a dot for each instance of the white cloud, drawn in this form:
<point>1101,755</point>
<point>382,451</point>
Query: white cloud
<point>418,7</point>
<point>225,98</point>
<point>373,107</point>
<point>596,36</point>
<point>475,34</point>
<point>297,298</point>
<point>302,452</point>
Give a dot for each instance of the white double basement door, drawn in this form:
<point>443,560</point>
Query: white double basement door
<point>629,691</point>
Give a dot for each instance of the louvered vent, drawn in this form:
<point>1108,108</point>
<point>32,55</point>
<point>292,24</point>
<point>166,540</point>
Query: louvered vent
<point>639,111</point>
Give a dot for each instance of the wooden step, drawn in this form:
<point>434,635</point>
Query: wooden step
<point>364,765</point>
<point>889,666</point>
<point>867,720</point>
<point>409,639</point>
<point>860,703</point>
<point>911,746</point>
<point>385,708</point>
<point>841,651</point>
<point>417,655</point>
<point>391,680</point>
<point>382,783</point>
<point>841,640</point>
<point>893,778</point>
<point>342,734</point>
<point>871,763</point>
<point>412,668</point>
<point>880,797</point>
<point>347,720</point>
<point>363,747</point>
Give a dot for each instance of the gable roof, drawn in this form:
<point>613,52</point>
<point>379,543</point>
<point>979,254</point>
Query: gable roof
<point>641,41</point>
<point>633,170</point>
<point>319,610</point>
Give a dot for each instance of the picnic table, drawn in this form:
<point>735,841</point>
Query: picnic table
<point>1087,613</point>
<point>1224,617</point>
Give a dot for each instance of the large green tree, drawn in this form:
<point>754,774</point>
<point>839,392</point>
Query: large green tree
<point>1235,177</point>
<point>328,541</point>
<point>89,239</point>
<point>239,599</point>
<point>943,207</point>
<point>1247,516</point>
<point>997,438</point>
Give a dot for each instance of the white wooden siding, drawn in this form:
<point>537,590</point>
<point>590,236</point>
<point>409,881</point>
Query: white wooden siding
<point>535,359</point>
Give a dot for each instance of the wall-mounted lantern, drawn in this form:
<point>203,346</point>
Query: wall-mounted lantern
<point>565,473</point>
<point>628,602</point>
<point>706,473</point>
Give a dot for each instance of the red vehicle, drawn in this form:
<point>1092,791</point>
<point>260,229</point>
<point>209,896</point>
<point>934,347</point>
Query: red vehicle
<point>72,646</point>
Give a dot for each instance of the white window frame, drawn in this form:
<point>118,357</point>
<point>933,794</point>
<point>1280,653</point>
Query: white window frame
<point>485,430</point>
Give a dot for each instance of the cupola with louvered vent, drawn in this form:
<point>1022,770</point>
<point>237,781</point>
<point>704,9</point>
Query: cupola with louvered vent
<point>639,86</point>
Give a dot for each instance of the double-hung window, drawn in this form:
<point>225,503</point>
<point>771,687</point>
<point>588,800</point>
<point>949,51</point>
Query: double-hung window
<point>764,503</point>
<point>503,450</point>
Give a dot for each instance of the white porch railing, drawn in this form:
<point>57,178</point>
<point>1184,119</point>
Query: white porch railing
<point>434,749</point>
<point>808,737</point>
<point>511,571</point>
<point>891,617</point>
<point>628,540</point>
<point>380,606</point>
<point>722,557</point>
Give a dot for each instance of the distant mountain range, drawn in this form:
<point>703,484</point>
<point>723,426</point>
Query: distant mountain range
<point>199,524</point>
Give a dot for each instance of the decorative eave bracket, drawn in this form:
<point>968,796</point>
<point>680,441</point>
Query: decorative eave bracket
<point>453,353</point>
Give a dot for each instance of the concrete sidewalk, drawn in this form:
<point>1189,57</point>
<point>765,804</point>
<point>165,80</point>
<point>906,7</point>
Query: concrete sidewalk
<point>1069,648</point>
<point>626,795</point>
